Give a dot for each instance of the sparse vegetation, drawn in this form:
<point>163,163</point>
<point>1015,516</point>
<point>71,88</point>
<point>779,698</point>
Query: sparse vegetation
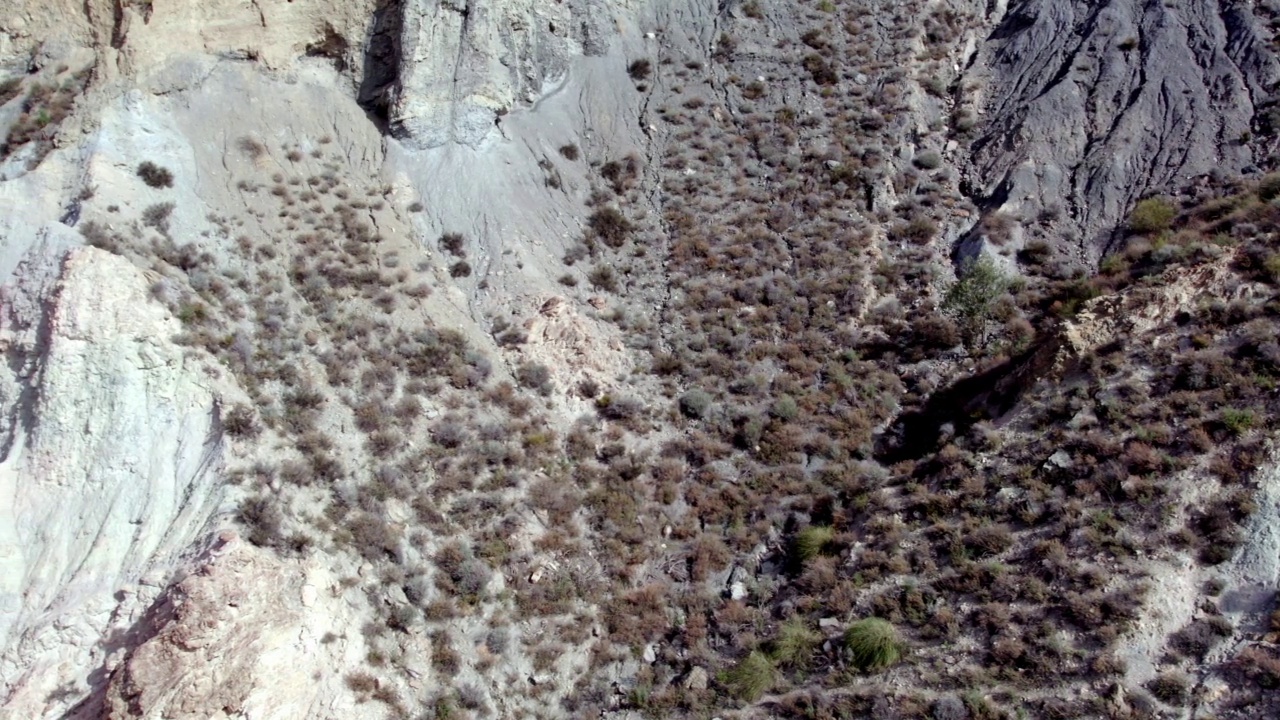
<point>812,425</point>
<point>154,175</point>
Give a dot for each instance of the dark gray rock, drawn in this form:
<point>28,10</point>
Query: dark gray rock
<point>1094,105</point>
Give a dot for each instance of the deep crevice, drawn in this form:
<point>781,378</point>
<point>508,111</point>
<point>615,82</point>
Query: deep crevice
<point>382,64</point>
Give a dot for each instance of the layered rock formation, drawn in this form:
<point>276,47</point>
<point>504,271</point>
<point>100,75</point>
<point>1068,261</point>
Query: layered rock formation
<point>450,71</point>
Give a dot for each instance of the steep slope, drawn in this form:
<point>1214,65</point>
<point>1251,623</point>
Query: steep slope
<point>536,359</point>
<point>111,472</point>
<point>1088,107</point>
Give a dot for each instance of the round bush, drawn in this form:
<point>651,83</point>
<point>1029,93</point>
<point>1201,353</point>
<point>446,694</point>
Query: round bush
<point>694,404</point>
<point>1153,215</point>
<point>873,644</point>
<point>811,541</point>
<point>928,160</point>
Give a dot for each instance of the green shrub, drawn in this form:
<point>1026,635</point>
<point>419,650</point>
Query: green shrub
<point>795,643</point>
<point>928,160</point>
<point>1271,266</point>
<point>1269,187</point>
<point>694,404</point>
<point>873,644</point>
<point>751,678</point>
<point>972,297</point>
<point>811,541</point>
<point>1153,215</point>
<point>1170,687</point>
<point>1238,421</point>
<point>785,408</point>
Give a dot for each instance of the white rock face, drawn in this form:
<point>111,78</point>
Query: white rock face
<point>110,475</point>
<point>214,647</point>
<point>462,65</point>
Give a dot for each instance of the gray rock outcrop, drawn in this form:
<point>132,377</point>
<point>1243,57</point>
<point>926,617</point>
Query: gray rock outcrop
<point>451,69</point>
<point>1091,106</point>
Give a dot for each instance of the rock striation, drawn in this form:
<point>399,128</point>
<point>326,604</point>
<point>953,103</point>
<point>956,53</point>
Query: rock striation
<point>1091,106</point>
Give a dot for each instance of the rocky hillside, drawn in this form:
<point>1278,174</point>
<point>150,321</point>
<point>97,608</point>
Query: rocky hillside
<point>674,359</point>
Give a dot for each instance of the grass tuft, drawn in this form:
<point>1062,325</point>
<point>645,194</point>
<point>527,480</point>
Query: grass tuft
<point>873,644</point>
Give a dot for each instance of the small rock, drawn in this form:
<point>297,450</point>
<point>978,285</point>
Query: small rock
<point>1060,459</point>
<point>828,623</point>
<point>650,653</point>
<point>737,591</point>
<point>1082,419</point>
<point>696,679</point>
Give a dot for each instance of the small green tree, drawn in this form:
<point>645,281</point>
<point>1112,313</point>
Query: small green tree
<point>873,644</point>
<point>972,297</point>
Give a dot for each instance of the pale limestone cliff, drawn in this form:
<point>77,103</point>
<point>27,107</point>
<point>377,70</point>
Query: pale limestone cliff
<point>111,474</point>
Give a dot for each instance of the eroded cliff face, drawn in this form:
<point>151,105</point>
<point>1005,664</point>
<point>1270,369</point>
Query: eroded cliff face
<point>111,472</point>
<point>323,152</point>
<point>459,67</point>
<point>1091,106</point>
